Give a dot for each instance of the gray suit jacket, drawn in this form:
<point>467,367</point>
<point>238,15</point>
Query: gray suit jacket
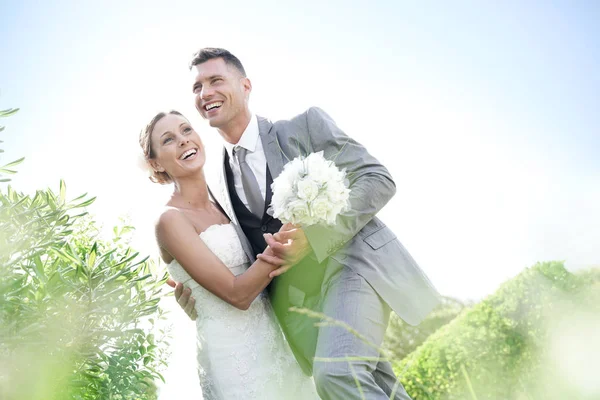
<point>358,240</point>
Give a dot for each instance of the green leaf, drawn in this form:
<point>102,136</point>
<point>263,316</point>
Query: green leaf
<point>39,268</point>
<point>63,191</point>
<point>85,203</point>
<point>14,163</point>
<point>8,112</point>
<point>50,200</point>
<point>141,278</point>
<point>79,198</point>
<point>162,378</point>
<point>66,256</point>
<point>91,261</point>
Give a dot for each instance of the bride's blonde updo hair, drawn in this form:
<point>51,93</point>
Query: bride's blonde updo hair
<point>146,145</point>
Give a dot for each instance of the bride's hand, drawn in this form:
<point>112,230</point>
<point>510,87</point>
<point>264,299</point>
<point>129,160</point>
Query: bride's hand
<point>269,256</point>
<point>289,245</point>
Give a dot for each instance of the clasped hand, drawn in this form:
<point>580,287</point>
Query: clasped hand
<point>286,248</point>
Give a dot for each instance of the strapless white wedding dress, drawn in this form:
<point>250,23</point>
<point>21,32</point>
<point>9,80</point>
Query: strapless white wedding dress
<point>241,354</point>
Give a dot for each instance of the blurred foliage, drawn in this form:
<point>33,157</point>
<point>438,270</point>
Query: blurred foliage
<point>76,312</point>
<point>402,339</point>
<point>531,339</point>
<point>7,169</point>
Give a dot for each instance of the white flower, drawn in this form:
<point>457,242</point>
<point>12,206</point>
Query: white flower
<point>319,168</point>
<point>310,190</point>
<point>299,211</point>
<point>321,207</point>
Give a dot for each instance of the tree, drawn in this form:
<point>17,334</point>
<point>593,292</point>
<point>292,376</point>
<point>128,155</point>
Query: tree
<point>77,313</point>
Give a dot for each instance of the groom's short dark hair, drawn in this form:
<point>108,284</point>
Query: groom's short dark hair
<point>209,53</point>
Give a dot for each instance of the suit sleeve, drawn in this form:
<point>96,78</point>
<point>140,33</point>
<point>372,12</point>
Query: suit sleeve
<point>371,185</point>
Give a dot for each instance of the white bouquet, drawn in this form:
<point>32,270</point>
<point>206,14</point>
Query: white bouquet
<point>310,190</point>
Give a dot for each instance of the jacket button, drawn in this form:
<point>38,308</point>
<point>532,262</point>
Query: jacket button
<point>263,228</point>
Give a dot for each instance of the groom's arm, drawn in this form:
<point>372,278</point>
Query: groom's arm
<point>371,185</point>
<point>184,298</point>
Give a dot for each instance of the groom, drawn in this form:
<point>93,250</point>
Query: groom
<point>355,272</point>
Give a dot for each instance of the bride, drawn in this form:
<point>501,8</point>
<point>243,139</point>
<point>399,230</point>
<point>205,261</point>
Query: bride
<point>241,351</point>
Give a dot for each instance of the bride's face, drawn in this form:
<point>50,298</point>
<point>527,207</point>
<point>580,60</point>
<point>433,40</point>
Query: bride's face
<point>177,147</point>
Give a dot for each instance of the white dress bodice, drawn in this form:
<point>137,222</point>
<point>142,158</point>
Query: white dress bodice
<point>242,354</point>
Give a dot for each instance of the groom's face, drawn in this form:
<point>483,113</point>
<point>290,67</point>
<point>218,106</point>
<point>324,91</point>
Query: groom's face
<point>221,93</point>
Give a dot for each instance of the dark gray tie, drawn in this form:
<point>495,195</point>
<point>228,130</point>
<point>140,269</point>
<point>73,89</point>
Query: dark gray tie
<point>251,188</point>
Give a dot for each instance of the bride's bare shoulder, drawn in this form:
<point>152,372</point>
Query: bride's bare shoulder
<point>170,217</point>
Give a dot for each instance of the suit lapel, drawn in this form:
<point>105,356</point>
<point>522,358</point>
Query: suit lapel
<point>273,152</point>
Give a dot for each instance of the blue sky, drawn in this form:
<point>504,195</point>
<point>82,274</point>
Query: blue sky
<point>481,111</point>
<point>485,113</point>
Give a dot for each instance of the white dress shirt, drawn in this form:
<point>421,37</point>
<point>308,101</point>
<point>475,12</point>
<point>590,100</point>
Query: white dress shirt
<point>255,158</point>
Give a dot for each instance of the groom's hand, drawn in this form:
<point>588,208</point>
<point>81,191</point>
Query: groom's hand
<point>289,246</point>
<point>184,298</point>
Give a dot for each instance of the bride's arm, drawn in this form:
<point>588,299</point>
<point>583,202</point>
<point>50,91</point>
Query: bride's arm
<point>176,235</point>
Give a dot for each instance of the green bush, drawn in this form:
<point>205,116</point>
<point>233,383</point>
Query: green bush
<point>401,338</point>
<point>76,312</point>
<point>501,348</point>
